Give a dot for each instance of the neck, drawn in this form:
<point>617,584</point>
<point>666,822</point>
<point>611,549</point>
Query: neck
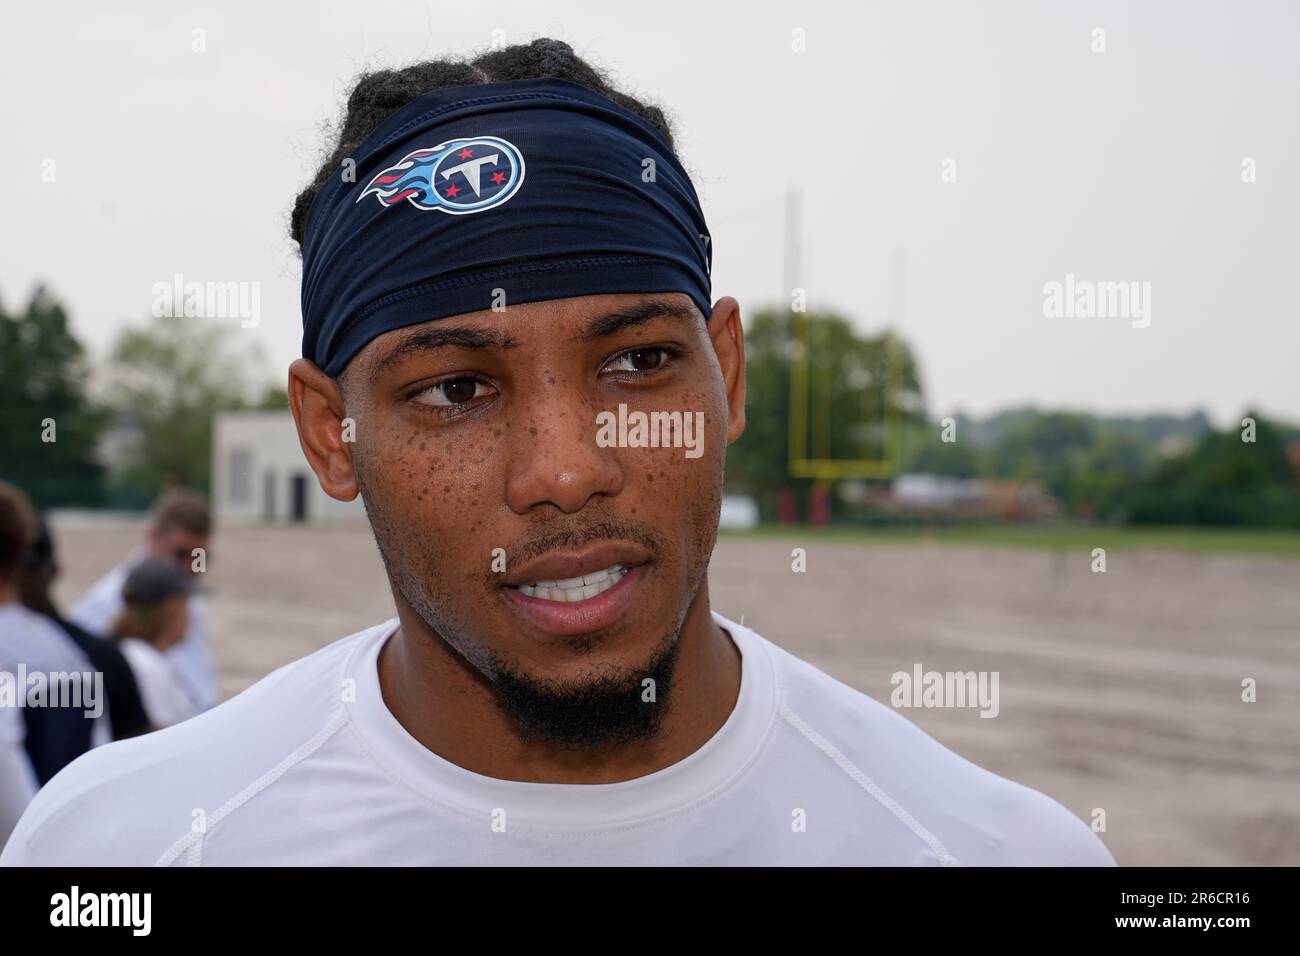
<point>450,708</point>
<point>8,592</point>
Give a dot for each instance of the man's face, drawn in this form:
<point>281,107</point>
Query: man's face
<point>176,546</point>
<point>480,432</point>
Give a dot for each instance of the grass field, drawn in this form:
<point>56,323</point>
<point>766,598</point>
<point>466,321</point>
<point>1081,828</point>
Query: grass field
<point>1284,544</point>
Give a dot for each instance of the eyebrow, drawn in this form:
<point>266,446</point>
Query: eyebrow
<point>432,339</point>
<point>635,315</point>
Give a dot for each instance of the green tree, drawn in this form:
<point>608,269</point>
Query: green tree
<point>1051,448</point>
<point>929,453</point>
<point>860,391</point>
<point>168,379</point>
<point>48,427</point>
<point>1224,480</point>
<point>273,397</point>
<point>1117,461</point>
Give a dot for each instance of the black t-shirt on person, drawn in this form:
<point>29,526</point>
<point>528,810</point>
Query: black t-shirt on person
<point>125,708</point>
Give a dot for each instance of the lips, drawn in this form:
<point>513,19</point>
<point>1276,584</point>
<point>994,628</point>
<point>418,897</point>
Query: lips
<point>577,592</point>
<point>567,618</point>
<point>567,565</point>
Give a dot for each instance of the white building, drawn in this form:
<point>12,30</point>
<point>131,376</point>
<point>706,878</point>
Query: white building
<point>260,475</point>
<point>934,491</point>
<point>738,513</point>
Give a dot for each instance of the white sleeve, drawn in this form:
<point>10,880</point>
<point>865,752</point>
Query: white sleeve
<point>170,705</point>
<point>161,692</point>
<point>17,779</point>
<point>193,662</point>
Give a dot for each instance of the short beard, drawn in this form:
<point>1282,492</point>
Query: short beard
<point>603,710</point>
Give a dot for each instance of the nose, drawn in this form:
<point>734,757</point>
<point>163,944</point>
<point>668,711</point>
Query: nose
<point>556,461</point>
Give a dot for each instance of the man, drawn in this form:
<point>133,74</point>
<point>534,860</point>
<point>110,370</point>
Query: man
<point>179,527</point>
<point>125,710</point>
<point>154,621</point>
<point>511,252</point>
<point>45,722</point>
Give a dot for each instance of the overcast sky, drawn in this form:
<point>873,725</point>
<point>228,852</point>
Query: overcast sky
<point>1119,166</point>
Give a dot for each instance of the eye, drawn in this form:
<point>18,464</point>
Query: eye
<point>650,358</point>
<point>453,392</point>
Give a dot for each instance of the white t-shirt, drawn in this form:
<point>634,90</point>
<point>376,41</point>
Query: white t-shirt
<point>163,694</point>
<point>17,779</point>
<point>32,640</point>
<point>100,606</point>
<point>309,767</point>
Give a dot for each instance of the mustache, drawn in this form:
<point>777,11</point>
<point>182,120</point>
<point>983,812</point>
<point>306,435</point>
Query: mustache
<point>574,535</point>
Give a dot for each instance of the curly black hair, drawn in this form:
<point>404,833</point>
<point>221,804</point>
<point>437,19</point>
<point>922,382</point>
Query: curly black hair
<point>379,94</point>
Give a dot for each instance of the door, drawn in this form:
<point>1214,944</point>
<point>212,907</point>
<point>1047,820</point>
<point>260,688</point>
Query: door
<point>298,497</point>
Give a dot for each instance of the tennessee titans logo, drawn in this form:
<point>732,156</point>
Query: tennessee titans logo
<point>458,177</point>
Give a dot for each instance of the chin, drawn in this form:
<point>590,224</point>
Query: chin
<point>626,648</point>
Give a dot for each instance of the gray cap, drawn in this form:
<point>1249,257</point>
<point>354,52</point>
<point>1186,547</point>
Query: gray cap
<point>153,580</point>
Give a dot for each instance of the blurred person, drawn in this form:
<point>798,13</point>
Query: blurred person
<point>180,524</point>
<point>126,713</point>
<point>555,687</point>
<point>38,735</point>
<point>152,621</point>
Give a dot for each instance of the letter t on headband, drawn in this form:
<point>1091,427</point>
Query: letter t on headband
<point>534,186</point>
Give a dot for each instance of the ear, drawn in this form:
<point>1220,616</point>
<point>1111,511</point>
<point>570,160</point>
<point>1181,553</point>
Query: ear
<point>318,410</point>
<point>728,337</point>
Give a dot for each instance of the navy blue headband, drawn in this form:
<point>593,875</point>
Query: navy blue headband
<point>494,195</point>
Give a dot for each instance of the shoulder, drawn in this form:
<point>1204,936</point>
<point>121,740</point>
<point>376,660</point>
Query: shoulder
<point>142,655</point>
<point>127,802</point>
<point>38,642</point>
<point>978,817</point>
<point>103,653</point>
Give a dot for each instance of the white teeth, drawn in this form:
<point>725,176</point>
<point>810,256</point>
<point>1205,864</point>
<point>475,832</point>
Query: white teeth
<point>575,589</point>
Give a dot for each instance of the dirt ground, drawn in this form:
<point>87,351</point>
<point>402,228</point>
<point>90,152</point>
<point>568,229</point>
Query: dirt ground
<point>1120,691</point>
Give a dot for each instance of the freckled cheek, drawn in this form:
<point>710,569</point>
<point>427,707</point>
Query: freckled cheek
<point>437,482</point>
<point>667,476</point>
